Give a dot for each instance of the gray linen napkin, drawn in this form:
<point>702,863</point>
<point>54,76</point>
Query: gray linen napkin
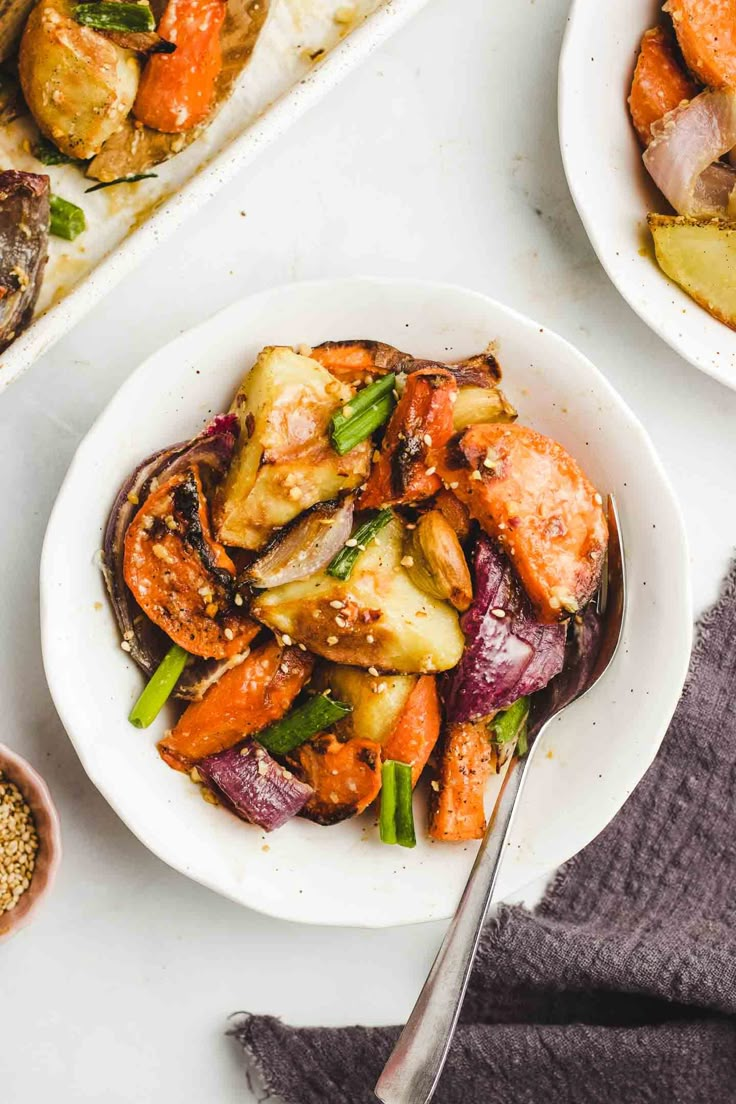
<point>621,987</point>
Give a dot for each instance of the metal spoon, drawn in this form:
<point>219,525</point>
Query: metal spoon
<point>411,1074</point>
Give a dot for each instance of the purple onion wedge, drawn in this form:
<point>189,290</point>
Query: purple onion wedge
<point>255,786</point>
<point>582,650</point>
<point>212,448</point>
<point>508,653</point>
<point>305,546</point>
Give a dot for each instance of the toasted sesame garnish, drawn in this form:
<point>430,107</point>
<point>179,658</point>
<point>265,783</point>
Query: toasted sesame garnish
<point>407,561</point>
<point>488,463</point>
<point>410,525</point>
<point>133,498</point>
<point>262,767</point>
<point>453,397</point>
<point>597,499</point>
<point>427,438</point>
<point>302,647</point>
<point>238,599</point>
<point>337,604</point>
<point>341,622</point>
<point>229,634</point>
<point>147,522</point>
<point>454,485</point>
<point>499,613</point>
<point>347,412</point>
<point>162,553</point>
<point>370,638</point>
<point>171,523</point>
<point>18,845</point>
<point>373,671</point>
<point>332,640</point>
<point>476,475</point>
<point>435,785</point>
<point>382,686</point>
<point>296,493</point>
<point>431,471</point>
<point>351,543</point>
<point>286,639</point>
<point>125,646</point>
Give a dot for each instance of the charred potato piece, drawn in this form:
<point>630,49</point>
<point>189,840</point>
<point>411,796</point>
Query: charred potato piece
<point>385,620</point>
<point>377,700</point>
<point>700,256</point>
<point>530,495</point>
<point>285,462</point>
<point>24,236</point>
<point>79,86</point>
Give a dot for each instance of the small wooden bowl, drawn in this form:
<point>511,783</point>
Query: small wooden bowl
<point>36,793</point>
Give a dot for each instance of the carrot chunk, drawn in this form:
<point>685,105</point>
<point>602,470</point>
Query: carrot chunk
<point>417,728</point>
<point>457,807</point>
<point>247,698</point>
<point>356,362</point>
<point>530,495</point>
<point>177,90</point>
<point>660,83</point>
<point>180,576</point>
<point>420,424</point>
<point>706,32</point>
<point>345,777</point>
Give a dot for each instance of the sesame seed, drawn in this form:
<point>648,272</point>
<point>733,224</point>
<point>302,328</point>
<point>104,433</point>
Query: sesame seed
<point>597,499</point>
<point>435,785</point>
<point>347,412</point>
<point>238,599</point>
<point>476,475</point>
<point>407,561</point>
<point>427,440</point>
<point>499,613</point>
<point>229,634</point>
<point>373,671</point>
<point>431,471</point>
<point>286,639</point>
<point>303,647</point>
<point>18,845</point>
<point>352,543</point>
<point>454,485</point>
<point>133,498</point>
<point>331,640</point>
<point>410,525</point>
<point>488,463</point>
<point>370,638</point>
<point>382,686</point>
<point>125,646</point>
<point>337,604</point>
<point>295,493</point>
<point>341,622</point>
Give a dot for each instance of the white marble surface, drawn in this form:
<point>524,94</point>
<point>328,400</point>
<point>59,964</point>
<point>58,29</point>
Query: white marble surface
<point>439,158</point>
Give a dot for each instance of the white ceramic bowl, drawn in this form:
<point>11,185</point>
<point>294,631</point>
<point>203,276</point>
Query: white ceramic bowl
<point>610,186</point>
<point>344,875</point>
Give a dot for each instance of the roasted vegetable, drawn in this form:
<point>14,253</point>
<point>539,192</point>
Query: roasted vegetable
<point>700,256</point>
<point>481,404</point>
<point>365,413</point>
<point>245,700</point>
<point>396,819</point>
<point>210,451</point>
<point>457,804</point>
<point>315,715</point>
<point>285,461</point>
<point>455,512</point>
<point>24,234</point>
<point>115,15</point>
<point>384,620</point>
<point>377,701</point>
<point>304,546</point>
<point>660,83</point>
<point>420,424</point>
<point>417,728</point>
<point>706,34</point>
<point>532,497</point>
<point>66,219</point>
<point>360,362</point>
<point>345,777</point>
<point>342,564</point>
<point>253,786</point>
<point>438,564</point>
<point>180,576</point>
<point>159,688</point>
<point>508,653</point>
<point>177,90</point>
<point>78,85</point>
<point>135,148</point>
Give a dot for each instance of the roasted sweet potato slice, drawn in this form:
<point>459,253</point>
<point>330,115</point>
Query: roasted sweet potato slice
<point>345,777</point>
<point>420,424</point>
<point>706,32</point>
<point>457,804</point>
<point>417,728</point>
<point>360,362</point>
<point>660,83</point>
<point>532,497</point>
<point>180,576</point>
<point>255,693</point>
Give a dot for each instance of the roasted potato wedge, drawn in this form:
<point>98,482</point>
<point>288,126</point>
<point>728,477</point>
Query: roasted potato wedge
<point>79,86</point>
<point>377,701</point>
<point>385,621</point>
<point>481,404</point>
<point>700,256</point>
<point>285,462</point>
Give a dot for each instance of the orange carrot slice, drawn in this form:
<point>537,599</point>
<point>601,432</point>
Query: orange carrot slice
<point>177,90</point>
<point>246,699</point>
<point>706,32</point>
<point>345,777</point>
<point>660,83</point>
<point>457,807</point>
<point>417,728</point>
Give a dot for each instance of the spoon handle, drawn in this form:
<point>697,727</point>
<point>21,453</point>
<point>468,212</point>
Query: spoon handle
<point>411,1074</point>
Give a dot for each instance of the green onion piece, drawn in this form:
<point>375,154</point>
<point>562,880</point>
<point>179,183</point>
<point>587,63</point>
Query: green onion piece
<point>162,682</point>
<point>367,410</point>
<point>48,154</point>
<point>522,744</point>
<point>120,180</point>
<point>387,815</point>
<point>67,220</point>
<point>405,834</point>
<point>507,725</point>
<point>114,15</point>
<point>301,724</point>
<point>343,563</point>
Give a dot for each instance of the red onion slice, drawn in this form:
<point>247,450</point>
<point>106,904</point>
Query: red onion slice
<point>683,156</point>
<point>254,786</point>
<point>304,546</point>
